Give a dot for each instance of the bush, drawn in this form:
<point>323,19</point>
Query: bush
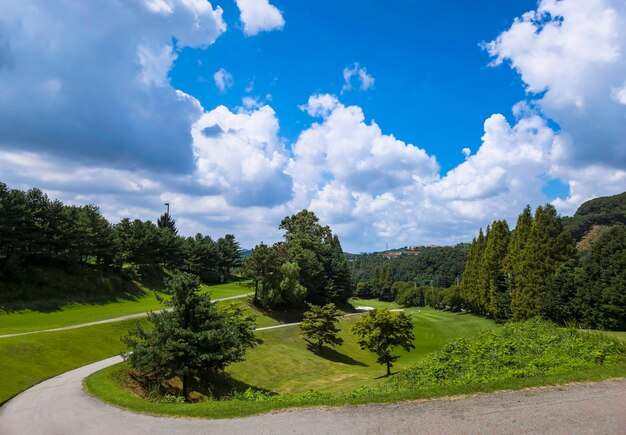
<point>516,350</point>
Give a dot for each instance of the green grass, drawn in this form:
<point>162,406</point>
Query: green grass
<point>347,366</point>
<point>375,303</point>
<point>30,359</point>
<point>73,314</point>
<point>109,384</point>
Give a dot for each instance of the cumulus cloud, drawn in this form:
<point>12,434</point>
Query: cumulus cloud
<point>259,16</point>
<point>570,55</point>
<point>223,79</point>
<point>102,95</point>
<point>365,80</point>
<point>240,156</point>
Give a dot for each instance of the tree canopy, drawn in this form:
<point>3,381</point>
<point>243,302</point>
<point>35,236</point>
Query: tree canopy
<point>192,338</point>
<point>319,326</point>
<point>380,331</point>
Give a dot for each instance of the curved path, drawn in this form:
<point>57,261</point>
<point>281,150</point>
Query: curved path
<point>111,320</point>
<point>60,406</point>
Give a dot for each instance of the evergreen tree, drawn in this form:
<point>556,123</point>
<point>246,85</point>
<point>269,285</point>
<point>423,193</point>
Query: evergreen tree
<point>492,273</point>
<point>166,222</point>
<point>513,260</point>
<point>548,247</point>
<point>319,325</point>
<point>192,338</point>
<point>602,297</point>
<point>470,284</point>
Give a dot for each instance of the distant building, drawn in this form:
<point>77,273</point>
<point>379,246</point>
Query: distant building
<point>392,254</point>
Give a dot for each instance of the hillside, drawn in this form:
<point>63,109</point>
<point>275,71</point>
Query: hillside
<point>607,210</point>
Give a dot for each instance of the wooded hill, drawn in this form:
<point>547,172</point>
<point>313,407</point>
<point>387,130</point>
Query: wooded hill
<point>603,211</point>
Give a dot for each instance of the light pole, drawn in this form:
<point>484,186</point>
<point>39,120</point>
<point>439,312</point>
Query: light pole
<point>167,204</point>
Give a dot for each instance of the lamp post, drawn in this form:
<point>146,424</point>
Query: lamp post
<point>167,204</point>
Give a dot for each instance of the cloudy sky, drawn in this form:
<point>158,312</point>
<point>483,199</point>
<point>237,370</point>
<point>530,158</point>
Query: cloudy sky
<point>413,123</point>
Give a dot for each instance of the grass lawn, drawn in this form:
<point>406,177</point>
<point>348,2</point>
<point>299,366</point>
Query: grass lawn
<point>346,367</point>
<point>282,364</point>
<point>375,303</point>
<point>73,314</point>
<point>30,359</point>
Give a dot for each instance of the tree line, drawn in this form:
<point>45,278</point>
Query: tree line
<point>536,270</point>
<point>37,232</point>
<point>440,266</point>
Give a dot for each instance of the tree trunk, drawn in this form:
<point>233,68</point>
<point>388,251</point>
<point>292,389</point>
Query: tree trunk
<point>256,290</point>
<point>185,386</point>
<point>319,346</point>
<point>388,368</point>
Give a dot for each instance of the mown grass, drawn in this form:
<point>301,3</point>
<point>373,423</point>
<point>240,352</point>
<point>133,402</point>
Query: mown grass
<point>29,359</point>
<point>374,303</point>
<point>600,358</point>
<point>283,363</point>
<point>75,313</point>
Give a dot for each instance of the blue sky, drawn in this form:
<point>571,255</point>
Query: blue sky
<point>425,56</point>
<point>411,122</point>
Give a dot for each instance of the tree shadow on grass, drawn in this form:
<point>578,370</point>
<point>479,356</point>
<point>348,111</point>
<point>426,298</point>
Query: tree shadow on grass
<point>335,356</point>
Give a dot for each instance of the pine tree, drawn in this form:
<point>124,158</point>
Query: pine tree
<point>195,337</point>
<point>470,282</point>
<point>548,247</point>
<point>513,261</point>
<point>165,221</point>
<point>497,298</point>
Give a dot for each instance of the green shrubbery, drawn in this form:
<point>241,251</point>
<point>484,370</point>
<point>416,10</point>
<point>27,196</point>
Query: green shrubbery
<point>516,350</point>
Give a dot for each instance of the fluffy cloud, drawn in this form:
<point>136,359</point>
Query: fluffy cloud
<point>259,16</point>
<point>223,79</point>
<point>356,154</point>
<point>101,95</point>
<point>572,51</point>
<point>240,156</point>
<point>365,80</point>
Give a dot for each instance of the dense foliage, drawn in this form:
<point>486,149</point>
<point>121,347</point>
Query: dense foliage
<point>607,210</point>
<point>308,266</point>
<point>536,270</point>
<point>381,331</point>
<point>440,266</point>
<point>195,337</point>
<point>319,326</point>
<point>515,350</point>
<point>38,235</point>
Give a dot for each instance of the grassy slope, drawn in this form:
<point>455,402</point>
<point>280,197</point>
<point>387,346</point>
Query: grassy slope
<point>29,359</point>
<point>347,367</point>
<point>73,314</point>
<point>108,384</point>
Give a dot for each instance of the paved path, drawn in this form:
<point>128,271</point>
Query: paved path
<point>59,406</point>
<point>114,319</point>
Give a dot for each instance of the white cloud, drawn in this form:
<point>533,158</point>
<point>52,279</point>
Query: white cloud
<point>114,105</point>
<point>240,156</point>
<point>574,51</point>
<point>223,79</point>
<point>365,80</point>
<point>259,16</point>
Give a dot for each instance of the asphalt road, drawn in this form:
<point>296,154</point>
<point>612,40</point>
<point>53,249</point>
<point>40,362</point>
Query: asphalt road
<point>59,406</point>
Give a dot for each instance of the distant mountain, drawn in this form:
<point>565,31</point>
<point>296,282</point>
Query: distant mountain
<point>598,212</point>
